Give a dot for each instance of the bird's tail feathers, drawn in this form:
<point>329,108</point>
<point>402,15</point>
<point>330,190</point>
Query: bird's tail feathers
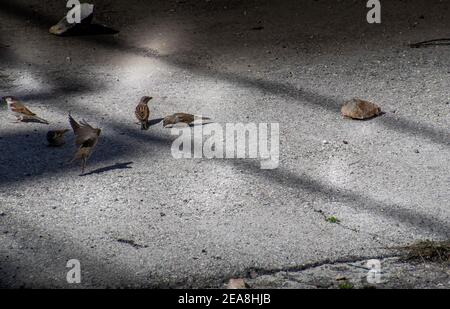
<point>201,118</point>
<point>35,119</point>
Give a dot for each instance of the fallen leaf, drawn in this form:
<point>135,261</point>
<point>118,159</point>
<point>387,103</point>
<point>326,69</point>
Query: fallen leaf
<point>360,109</point>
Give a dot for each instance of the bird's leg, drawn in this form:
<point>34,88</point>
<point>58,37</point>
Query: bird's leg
<point>83,165</point>
<point>71,161</point>
<point>18,119</point>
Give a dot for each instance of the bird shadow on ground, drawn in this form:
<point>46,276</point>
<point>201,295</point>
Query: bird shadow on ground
<point>89,30</point>
<point>199,124</point>
<point>436,42</point>
<point>117,166</point>
<point>32,121</point>
<point>155,121</point>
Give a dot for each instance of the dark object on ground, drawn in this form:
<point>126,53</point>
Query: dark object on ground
<point>427,251</point>
<point>131,243</point>
<point>437,42</point>
<point>25,119</point>
<point>360,109</point>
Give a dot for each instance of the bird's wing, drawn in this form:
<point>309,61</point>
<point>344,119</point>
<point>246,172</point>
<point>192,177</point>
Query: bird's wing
<point>85,124</point>
<point>75,125</point>
<point>83,131</point>
<point>18,107</point>
<point>85,134</point>
<point>186,118</point>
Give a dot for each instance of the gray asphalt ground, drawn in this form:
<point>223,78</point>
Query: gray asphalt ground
<point>140,218</point>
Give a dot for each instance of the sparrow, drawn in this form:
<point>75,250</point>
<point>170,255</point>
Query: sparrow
<point>86,139</point>
<point>22,113</point>
<point>142,112</point>
<point>181,118</point>
<point>55,138</point>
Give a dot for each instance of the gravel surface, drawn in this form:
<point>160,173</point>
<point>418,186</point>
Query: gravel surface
<point>140,218</point>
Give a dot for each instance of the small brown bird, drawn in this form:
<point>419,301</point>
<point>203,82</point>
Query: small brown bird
<point>181,118</point>
<point>55,138</point>
<point>86,139</point>
<point>22,113</point>
<point>142,112</point>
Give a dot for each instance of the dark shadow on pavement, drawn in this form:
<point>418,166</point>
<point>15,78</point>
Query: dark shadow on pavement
<point>90,30</point>
<point>155,121</point>
<point>356,200</point>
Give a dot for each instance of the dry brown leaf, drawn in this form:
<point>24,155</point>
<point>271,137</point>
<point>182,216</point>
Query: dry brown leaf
<point>360,109</point>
